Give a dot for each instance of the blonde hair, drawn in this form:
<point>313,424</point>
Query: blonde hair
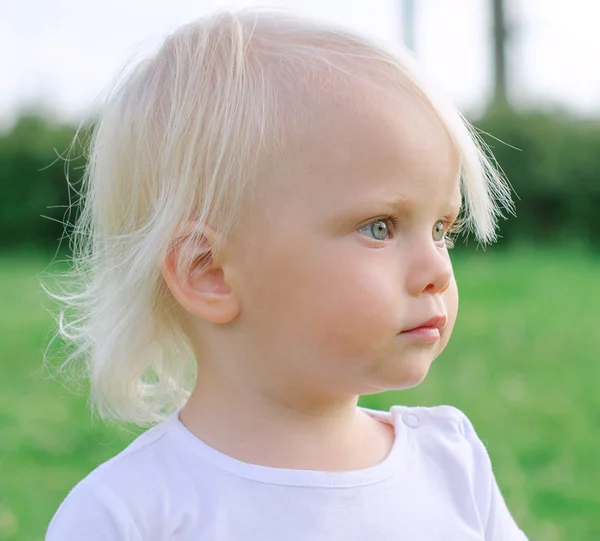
<point>180,138</point>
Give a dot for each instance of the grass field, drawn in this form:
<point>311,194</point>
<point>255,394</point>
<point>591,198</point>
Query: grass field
<point>524,364</point>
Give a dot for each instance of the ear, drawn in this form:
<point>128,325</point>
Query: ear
<point>195,275</point>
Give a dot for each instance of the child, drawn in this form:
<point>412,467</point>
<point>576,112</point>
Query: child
<point>267,206</point>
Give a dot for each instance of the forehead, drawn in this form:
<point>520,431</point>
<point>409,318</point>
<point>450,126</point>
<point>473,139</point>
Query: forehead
<point>363,142</point>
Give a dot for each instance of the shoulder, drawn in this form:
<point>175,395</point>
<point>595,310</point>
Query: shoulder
<point>145,459</point>
<point>444,431</point>
<point>443,436</point>
<point>445,425</point>
<point>118,500</point>
<point>445,418</point>
<point>442,439</point>
<point>92,511</point>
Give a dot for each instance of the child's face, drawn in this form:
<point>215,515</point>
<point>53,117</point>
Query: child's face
<point>325,290</point>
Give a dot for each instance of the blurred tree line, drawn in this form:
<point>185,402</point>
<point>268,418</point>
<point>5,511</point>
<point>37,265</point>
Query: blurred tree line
<point>34,193</point>
<point>551,160</point>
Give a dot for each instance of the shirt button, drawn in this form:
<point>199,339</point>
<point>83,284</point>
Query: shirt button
<point>410,419</point>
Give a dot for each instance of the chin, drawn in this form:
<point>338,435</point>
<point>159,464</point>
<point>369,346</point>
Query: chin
<point>408,383</point>
<point>409,374</point>
<point>400,378</point>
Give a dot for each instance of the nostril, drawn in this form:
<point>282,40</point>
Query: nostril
<point>445,288</point>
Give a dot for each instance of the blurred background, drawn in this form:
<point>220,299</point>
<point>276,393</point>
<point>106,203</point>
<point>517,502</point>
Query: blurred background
<point>524,359</point>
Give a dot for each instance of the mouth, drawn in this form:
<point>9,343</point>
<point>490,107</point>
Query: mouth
<point>429,330</point>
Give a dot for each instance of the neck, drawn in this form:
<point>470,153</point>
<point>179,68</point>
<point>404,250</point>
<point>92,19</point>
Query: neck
<point>284,430</point>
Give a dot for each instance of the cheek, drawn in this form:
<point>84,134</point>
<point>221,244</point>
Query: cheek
<point>351,306</point>
<point>357,303</point>
<point>451,299</point>
<point>451,303</point>
<point>330,300</point>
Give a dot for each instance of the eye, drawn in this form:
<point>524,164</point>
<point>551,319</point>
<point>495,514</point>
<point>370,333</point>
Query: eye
<point>379,229</point>
<point>439,231</point>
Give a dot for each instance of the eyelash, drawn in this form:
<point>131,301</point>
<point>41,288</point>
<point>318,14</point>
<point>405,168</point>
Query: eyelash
<point>391,219</point>
<point>452,227</point>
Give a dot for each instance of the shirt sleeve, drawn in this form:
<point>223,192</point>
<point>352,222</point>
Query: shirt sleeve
<point>91,512</point>
<point>498,523</point>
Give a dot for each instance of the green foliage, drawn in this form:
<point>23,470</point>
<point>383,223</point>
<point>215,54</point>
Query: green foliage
<point>35,195</point>
<point>522,364</point>
<point>555,174</point>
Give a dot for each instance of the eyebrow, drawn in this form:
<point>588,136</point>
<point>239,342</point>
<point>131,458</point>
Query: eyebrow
<point>402,203</point>
<point>456,205</point>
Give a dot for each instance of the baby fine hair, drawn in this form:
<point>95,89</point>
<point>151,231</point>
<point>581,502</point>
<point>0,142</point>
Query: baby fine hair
<point>182,138</point>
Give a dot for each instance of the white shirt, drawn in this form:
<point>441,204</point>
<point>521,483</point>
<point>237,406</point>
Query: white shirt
<point>436,484</point>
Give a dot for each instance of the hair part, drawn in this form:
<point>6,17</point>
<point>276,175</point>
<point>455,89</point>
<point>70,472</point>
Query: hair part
<point>181,138</point>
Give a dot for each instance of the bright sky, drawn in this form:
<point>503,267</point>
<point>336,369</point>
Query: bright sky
<point>62,53</point>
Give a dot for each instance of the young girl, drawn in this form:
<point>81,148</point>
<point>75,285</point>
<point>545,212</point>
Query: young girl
<point>265,238</point>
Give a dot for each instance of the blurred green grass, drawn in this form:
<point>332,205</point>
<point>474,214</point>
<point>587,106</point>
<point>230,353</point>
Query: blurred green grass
<point>523,364</point>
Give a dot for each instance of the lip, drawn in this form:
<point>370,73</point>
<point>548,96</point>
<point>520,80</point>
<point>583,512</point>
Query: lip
<point>428,331</point>
<point>436,322</point>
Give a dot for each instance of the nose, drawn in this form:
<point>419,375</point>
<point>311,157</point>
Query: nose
<point>430,269</point>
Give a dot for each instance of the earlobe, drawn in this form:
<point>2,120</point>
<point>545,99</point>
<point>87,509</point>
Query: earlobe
<point>196,278</point>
